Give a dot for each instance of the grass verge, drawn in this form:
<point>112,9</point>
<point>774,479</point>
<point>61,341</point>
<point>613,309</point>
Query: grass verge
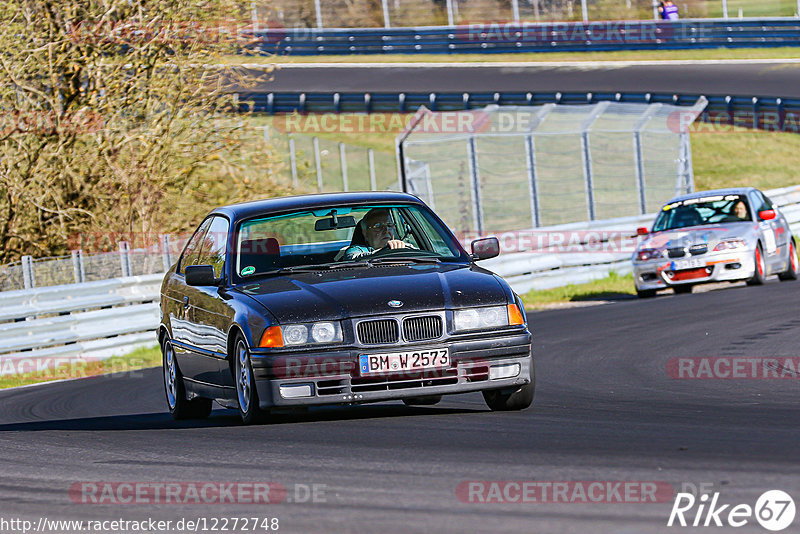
<point>614,286</point>
<point>79,368</point>
<point>533,57</point>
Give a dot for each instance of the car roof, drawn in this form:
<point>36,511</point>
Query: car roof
<point>254,208</point>
<point>712,192</point>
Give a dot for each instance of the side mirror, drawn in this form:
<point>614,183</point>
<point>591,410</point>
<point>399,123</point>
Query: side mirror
<point>766,215</point>
<point>642,231</point>
<point>200,275</point>
<point>483,249</point>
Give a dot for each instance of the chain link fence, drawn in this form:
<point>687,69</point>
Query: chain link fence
<point>509,168</point>
<point>403,13</point>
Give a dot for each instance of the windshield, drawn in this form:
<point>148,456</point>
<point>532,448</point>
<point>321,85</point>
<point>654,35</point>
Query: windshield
<point>337,235</point>
<point>703,210</point>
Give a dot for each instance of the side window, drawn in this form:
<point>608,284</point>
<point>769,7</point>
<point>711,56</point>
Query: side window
<point>214,245</point>
<point>192,251</point>
<point>758,204</point>
<point>769,203</point>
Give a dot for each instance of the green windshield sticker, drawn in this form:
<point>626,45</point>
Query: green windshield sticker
<point>248,270</point>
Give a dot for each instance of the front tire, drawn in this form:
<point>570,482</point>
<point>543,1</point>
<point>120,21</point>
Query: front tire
<point>510,399</point>
<point>179,406</point>
<point>791,271</point>
<point>683,289</point>
<point>645,293</point>
<point>245,384</point>
<point>760,269</point>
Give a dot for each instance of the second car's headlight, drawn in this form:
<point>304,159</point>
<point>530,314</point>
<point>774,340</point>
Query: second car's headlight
<point>293,335</point>
<point>730,244</point>
<point>484,318</point>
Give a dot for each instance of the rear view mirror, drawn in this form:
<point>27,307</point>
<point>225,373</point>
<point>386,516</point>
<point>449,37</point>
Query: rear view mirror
<point>200,275</point>
<point>483,249</point>
<point>334,223</point>
<point>766,215</point>
<point>642,231</point>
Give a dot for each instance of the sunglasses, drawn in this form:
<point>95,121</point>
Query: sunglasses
<point>381,226</point>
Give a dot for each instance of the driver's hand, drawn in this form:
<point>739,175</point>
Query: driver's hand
<point>395,243</point>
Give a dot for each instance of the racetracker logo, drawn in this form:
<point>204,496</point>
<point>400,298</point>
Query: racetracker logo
<point>178,493</point>
<point>774,510</point>
<point>563,492</point>
<point>716,122</point>
<point>447,122</point>
<point>733,368</point>
<point>558,242</point>
<point>610,31</point>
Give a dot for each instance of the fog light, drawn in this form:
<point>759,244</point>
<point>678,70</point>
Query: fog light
<point>732,266</point>
<point>293,391</point>
<point>504,370</point>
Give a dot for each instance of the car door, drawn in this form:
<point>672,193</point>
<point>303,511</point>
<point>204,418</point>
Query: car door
<point>783,233</point>
<point>212,314</point>
<point>187,337</point>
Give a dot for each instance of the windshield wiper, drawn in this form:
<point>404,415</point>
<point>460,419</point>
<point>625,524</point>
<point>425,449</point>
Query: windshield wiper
<point>405,259</point>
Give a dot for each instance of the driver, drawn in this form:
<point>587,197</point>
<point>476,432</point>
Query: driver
<point>738,212</point>
<point>378,230</point>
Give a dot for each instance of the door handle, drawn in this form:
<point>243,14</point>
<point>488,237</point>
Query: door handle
<point>185,302</point>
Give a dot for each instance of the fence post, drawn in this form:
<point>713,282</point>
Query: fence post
<point>515,10</point>
<point>586,151</point>
<point>655,10</point>
<point>450,18</point>
<point>166,252</point>
<point>28,279</point>
<point>584,11</point>
<point>343,164</point>
<point>386,23</point>
<point>318,10</point>
<point>318,162</point>
<point>638,154</point>
<point>125,258</point>
<point>373,183</point>
<point>78,272</point>
<point>293,160</point>
<point>725,9</point>
<point>530,161</point>
<point>475,189</point>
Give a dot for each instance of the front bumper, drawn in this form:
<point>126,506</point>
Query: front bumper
<point>333,376</point>
<point>713,267</point>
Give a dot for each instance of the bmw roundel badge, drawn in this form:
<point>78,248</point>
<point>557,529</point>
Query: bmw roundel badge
<point>395,303</point>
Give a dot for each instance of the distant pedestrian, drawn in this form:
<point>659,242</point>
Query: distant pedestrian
<point>668,10</point>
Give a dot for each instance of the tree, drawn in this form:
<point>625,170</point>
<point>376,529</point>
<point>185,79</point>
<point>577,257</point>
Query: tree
<point>115,117</point>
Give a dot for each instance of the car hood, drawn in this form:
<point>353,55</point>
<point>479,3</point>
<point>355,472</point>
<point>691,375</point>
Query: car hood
<point>700,235</point>
<point>355,292</point>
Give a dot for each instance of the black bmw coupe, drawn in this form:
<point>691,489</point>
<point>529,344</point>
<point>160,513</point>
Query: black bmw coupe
<point>343,298</point>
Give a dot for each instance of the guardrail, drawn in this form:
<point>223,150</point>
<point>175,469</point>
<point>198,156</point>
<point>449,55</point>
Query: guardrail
<point>534,37</point>
<point>44,327</point>
<point>766,113</point>
<point>542,270</point>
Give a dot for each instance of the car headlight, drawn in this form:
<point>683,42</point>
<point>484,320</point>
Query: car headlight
<point>649,254</point>
<point>486,318</point>
<point>730,244</point>
<point>293,335</point>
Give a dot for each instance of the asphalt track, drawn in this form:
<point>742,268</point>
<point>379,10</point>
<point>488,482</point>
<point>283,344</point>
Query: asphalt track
<point>605,410</point>
<point>741,78</point>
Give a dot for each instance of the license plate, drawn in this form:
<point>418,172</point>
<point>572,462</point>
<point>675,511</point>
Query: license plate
<point>688,264</point>
<point>393,362</point>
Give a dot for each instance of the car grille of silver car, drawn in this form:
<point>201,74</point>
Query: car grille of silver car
<point>678,252</point>
<point>384,331</point>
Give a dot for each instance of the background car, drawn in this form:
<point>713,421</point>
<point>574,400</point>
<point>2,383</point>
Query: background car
<point>713,236</point>
<point>284,303</point>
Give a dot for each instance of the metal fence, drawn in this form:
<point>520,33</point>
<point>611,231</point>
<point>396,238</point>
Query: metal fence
<point>512,37</point>
<point>515,168</point>
<point>400,13</point>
